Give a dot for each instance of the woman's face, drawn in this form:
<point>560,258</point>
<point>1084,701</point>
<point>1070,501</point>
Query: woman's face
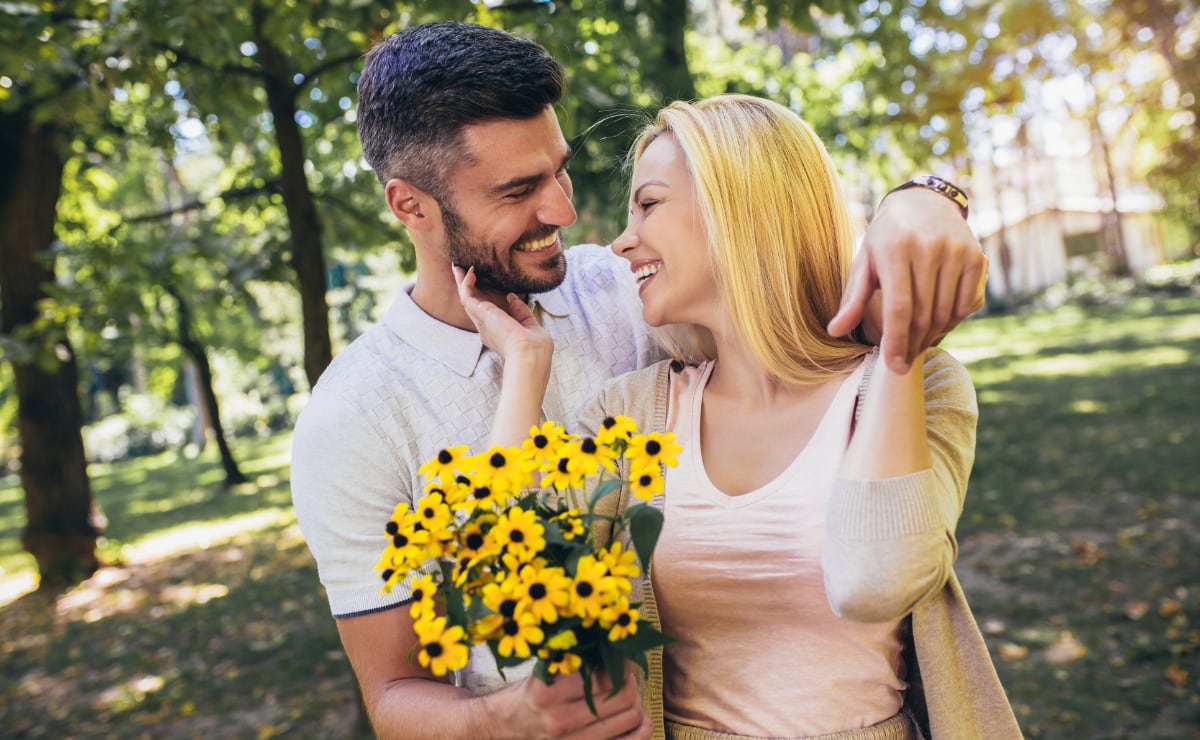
<point>665,241</point>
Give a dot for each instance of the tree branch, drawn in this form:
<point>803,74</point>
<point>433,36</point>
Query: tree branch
<point>234,194</point>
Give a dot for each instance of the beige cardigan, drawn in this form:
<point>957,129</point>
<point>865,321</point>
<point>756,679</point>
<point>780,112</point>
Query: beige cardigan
<point>953,688</point>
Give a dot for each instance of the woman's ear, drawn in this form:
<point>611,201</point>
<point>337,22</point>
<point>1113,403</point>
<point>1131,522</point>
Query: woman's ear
<point>409,204</point>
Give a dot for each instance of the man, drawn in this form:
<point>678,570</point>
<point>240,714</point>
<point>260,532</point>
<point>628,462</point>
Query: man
<point>458,122</point>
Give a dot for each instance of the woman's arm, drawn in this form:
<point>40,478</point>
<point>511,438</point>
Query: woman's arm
<point>889,537</point>
<point>527,349</point>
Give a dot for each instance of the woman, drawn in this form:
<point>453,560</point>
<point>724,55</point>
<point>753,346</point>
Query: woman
<point>805,565</point>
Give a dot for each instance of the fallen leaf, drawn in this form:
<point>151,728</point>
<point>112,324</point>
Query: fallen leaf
<point>1176,675</point>
<point>1136,609</point>
<point>1169,608</point>
<point>1066,649</point>
<point>1012,651</point>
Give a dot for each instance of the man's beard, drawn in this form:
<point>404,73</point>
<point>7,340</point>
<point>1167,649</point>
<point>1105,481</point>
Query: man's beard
<point>490,275</point>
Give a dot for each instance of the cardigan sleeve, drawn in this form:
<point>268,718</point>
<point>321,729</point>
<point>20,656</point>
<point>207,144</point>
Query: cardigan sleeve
<point>889,543</point>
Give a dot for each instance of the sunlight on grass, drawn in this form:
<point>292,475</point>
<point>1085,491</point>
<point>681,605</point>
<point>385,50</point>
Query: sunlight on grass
<point>1092,364</point>
<point>200,536</point>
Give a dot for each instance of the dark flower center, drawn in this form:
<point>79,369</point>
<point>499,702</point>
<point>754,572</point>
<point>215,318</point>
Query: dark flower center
<point>399,540</point>
<point>609,423</point>
<point>483,492</point>
<point>653,447</point>
<point>497,460</point>
<point>507,607</point>
<point>563,465</point>
<point>392,528</point>
<point>537,591</point>
<point>444,457</point>
<point>463,480</point>
<point>645,480</point>
<point>583,589</point>
<point>511,628</point>
<point>541,441</point>
<point>588,446</point>
<point>624,619</point>
<point>428,512</point>
<point>387,574</point>
<point>475,540</point>
<point>433,650</point>
<point>516,536</point>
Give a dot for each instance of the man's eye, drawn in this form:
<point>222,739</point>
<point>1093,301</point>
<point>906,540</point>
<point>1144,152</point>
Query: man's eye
<point>519,194</point>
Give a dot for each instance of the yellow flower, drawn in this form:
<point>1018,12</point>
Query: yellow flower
<point>544,442</point>
<point>423,588</point>
<point>619,619</point>
<point>560,472</point>
<point>621,564</point>
<point>570,524</point>
<point>545,591</point>
<point>484,496</point>
<point>434,514</point>
<point>615,428</point>
<point>645,483</point>
<point>442,647</point>
<point>649,450</point>
<point>445,464</point>
<point>518,633</point>
<point>560,662</point>
<point>499,596</point>
<point>505,468</point>
<point>520,533</point>
<point>589,456</point>
<point>591,589</point>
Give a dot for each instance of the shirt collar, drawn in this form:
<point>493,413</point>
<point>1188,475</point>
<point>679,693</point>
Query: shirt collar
<point>455,348</point>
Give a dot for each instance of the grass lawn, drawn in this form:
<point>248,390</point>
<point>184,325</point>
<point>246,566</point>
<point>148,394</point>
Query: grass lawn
<point>1077,550</point>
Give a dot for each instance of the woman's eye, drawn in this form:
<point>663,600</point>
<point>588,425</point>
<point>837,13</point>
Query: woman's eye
<point>646,205</point>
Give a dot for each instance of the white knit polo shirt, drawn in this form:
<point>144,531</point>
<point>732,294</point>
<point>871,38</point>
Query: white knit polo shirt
<point>411,385</point>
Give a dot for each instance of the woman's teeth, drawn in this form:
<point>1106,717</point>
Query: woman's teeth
<point>646,271</point>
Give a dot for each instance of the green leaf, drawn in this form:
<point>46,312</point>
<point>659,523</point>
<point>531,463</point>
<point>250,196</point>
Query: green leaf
<point>456,609</point>
<point>585,672</point>
<point>645,524</point>
<point>614,665</point>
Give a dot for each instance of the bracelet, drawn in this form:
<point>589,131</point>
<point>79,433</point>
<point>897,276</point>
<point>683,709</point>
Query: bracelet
<point>937,185</point>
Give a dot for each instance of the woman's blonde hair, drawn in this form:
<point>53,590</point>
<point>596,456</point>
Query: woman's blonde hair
<point>779,236</point>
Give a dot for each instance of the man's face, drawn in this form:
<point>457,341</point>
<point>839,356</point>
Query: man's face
<point>505,208</point>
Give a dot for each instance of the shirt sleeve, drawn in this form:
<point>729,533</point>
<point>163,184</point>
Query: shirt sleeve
<point>346,483</point>
<point>890,543</point>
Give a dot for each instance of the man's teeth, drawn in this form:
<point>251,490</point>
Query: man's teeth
<point>645,271</point>
<point>539,244</point>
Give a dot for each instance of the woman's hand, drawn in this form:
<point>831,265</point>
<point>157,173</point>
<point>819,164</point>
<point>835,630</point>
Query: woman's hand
<point>514,334</point>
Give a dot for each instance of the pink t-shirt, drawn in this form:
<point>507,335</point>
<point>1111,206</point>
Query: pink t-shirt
<point>738,581</point>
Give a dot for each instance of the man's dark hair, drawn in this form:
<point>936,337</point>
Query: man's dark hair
<point>420,87</point>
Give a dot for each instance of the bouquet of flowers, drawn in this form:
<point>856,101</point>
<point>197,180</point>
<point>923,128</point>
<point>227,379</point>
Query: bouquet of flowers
<point>491,556</point>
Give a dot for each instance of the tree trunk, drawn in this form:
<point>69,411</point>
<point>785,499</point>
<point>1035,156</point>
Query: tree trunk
<point>308,257</point>
<point>199,355</point>
<point>61,522</point>
<point>1114,228</point>
<point>672,74</point>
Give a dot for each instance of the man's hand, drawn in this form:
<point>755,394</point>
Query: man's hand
<point>928,268</point>
<point>560,711</point>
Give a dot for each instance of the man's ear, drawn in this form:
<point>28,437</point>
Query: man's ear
<point>412,206</point>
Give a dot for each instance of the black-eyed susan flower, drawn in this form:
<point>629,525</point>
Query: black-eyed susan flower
<point>483,496</point>
<point>588,456</point>
<point>646,482</point>
<point>621,564</point>
<point>620,619</point>
<point>446,464</point>
<point>545,591</point>
<point>614,429</point>
<point>544,442</point>
<point>518,633</point>
<point>556,652</point>
<point>650,450</point>
<point>434,514</point>
<point>570,523</point>
<point>505,469</point>
<point>519,533</point>
<point>501,598</point>
<point>423,588</point>
<point>561,472</point>
<point>591,589</point>
<point>442,647</point>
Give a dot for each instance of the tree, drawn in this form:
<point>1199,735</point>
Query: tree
<point>59,87</point>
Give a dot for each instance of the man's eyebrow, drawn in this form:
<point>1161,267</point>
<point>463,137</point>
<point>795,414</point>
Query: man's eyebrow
<point>526,181</point>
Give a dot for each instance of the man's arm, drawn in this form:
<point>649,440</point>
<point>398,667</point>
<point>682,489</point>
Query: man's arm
<point>406,701</point>
<point>928,268</point>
